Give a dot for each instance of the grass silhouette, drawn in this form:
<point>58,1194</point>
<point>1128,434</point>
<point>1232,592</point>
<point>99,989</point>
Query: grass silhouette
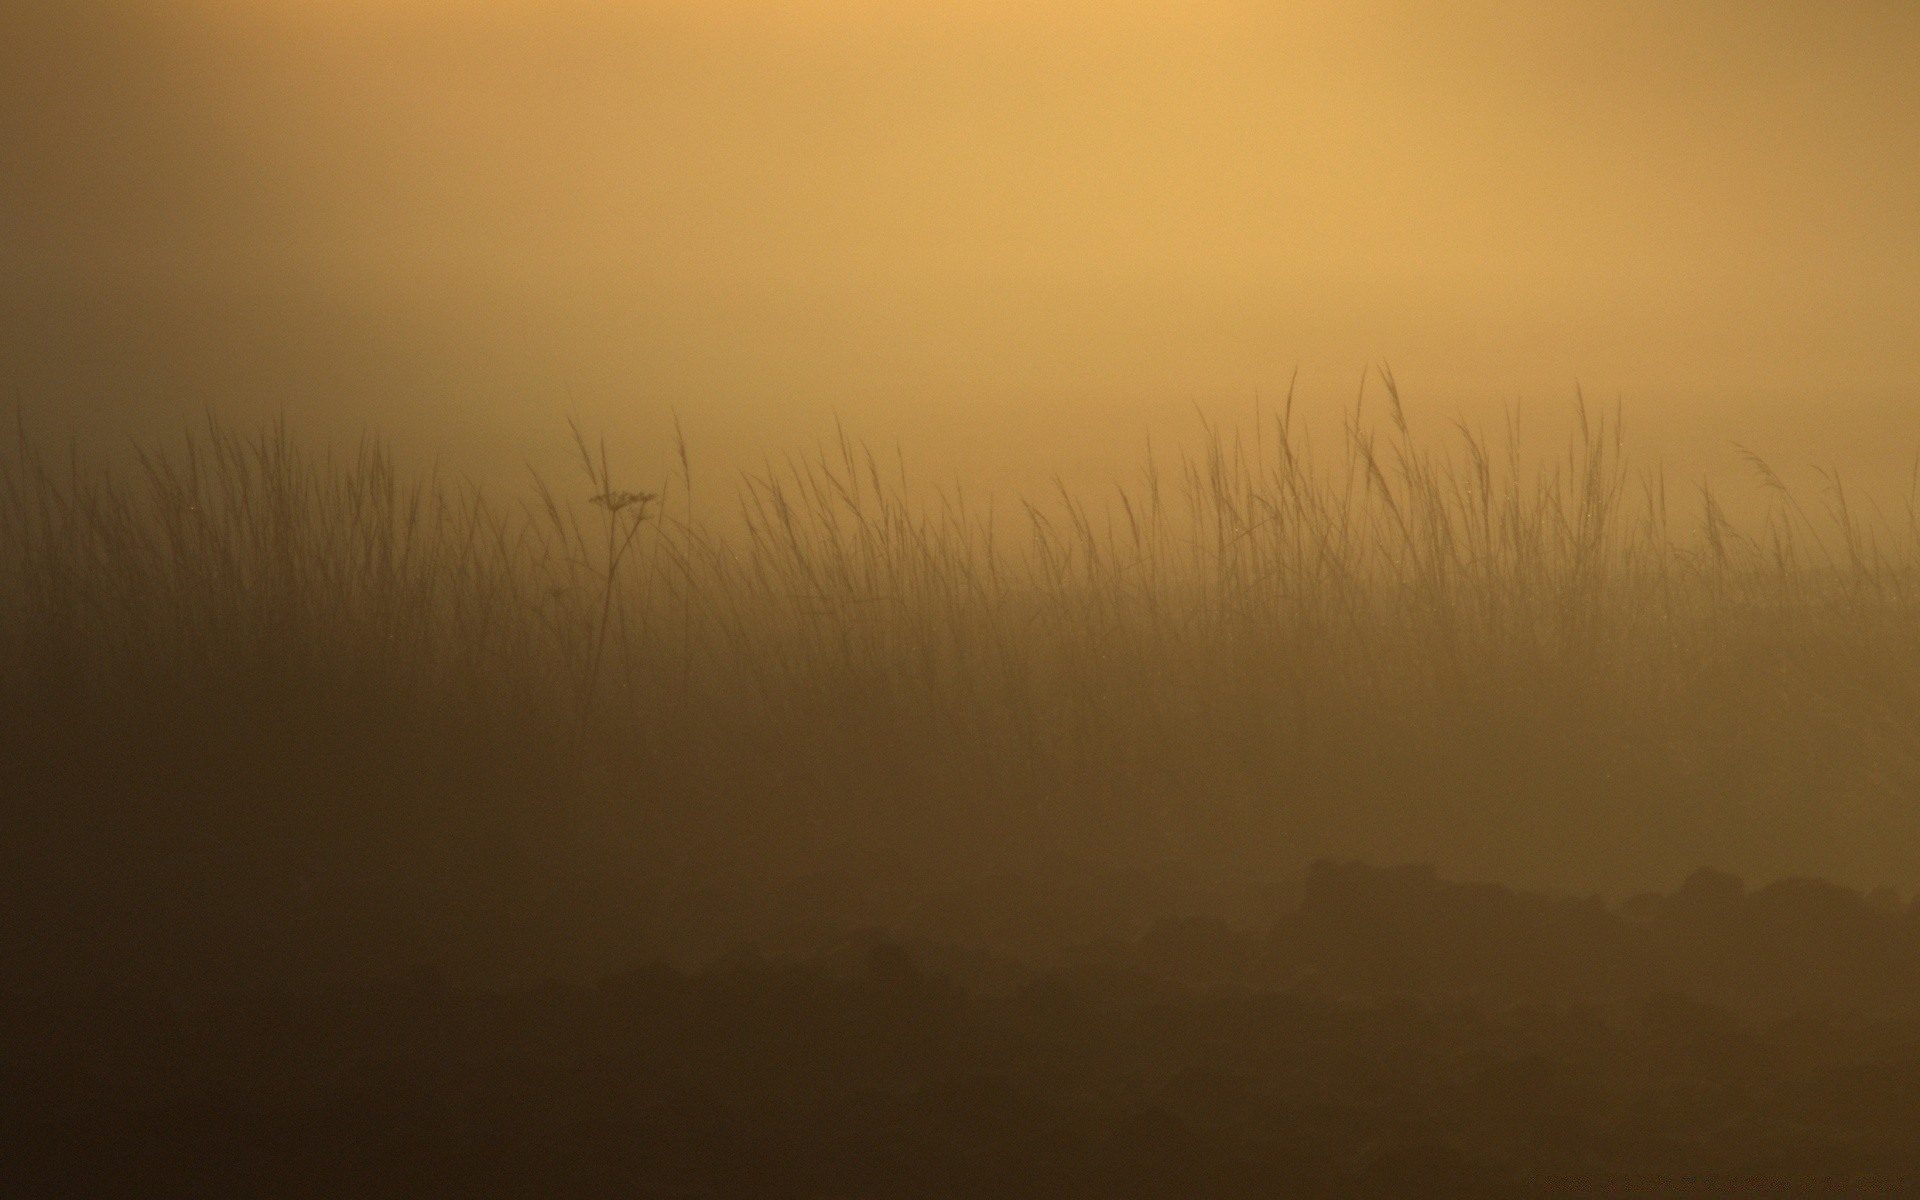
<point>274,705</point>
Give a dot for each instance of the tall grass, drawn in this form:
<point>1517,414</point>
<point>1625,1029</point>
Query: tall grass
<point>286,700</point>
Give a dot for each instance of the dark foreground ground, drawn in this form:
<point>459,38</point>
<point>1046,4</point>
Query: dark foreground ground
<point>1385,1034</point>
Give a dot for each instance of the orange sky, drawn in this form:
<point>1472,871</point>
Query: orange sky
<point>1014,236</point>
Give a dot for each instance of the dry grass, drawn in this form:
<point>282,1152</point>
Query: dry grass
<point>285,699</point>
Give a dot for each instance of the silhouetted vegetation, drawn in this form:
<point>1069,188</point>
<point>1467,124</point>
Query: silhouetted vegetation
<point>997,811</point>
<point>1387,1034</point>
<point>269,707</point>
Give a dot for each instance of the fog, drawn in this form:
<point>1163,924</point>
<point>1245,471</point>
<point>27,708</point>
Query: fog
<point>1419,810</point>
<point>1012,238</point>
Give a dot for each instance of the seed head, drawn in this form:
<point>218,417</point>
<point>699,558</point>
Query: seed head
<point>615,501</point>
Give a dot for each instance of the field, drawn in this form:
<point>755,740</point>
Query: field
<point>377,832</point>
<point>272,707</point>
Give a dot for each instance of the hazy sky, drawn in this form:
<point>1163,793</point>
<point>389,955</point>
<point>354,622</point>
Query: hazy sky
<point>1006,233</point>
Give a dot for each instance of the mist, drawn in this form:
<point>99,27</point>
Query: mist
<point>917,597</point>
<point>1016,240</point>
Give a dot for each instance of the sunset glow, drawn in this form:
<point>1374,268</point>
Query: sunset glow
<point>765,214</point>
<point>1073,599</point>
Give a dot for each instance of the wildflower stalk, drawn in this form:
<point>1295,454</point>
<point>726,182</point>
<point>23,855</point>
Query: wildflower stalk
<point>625,512</point>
